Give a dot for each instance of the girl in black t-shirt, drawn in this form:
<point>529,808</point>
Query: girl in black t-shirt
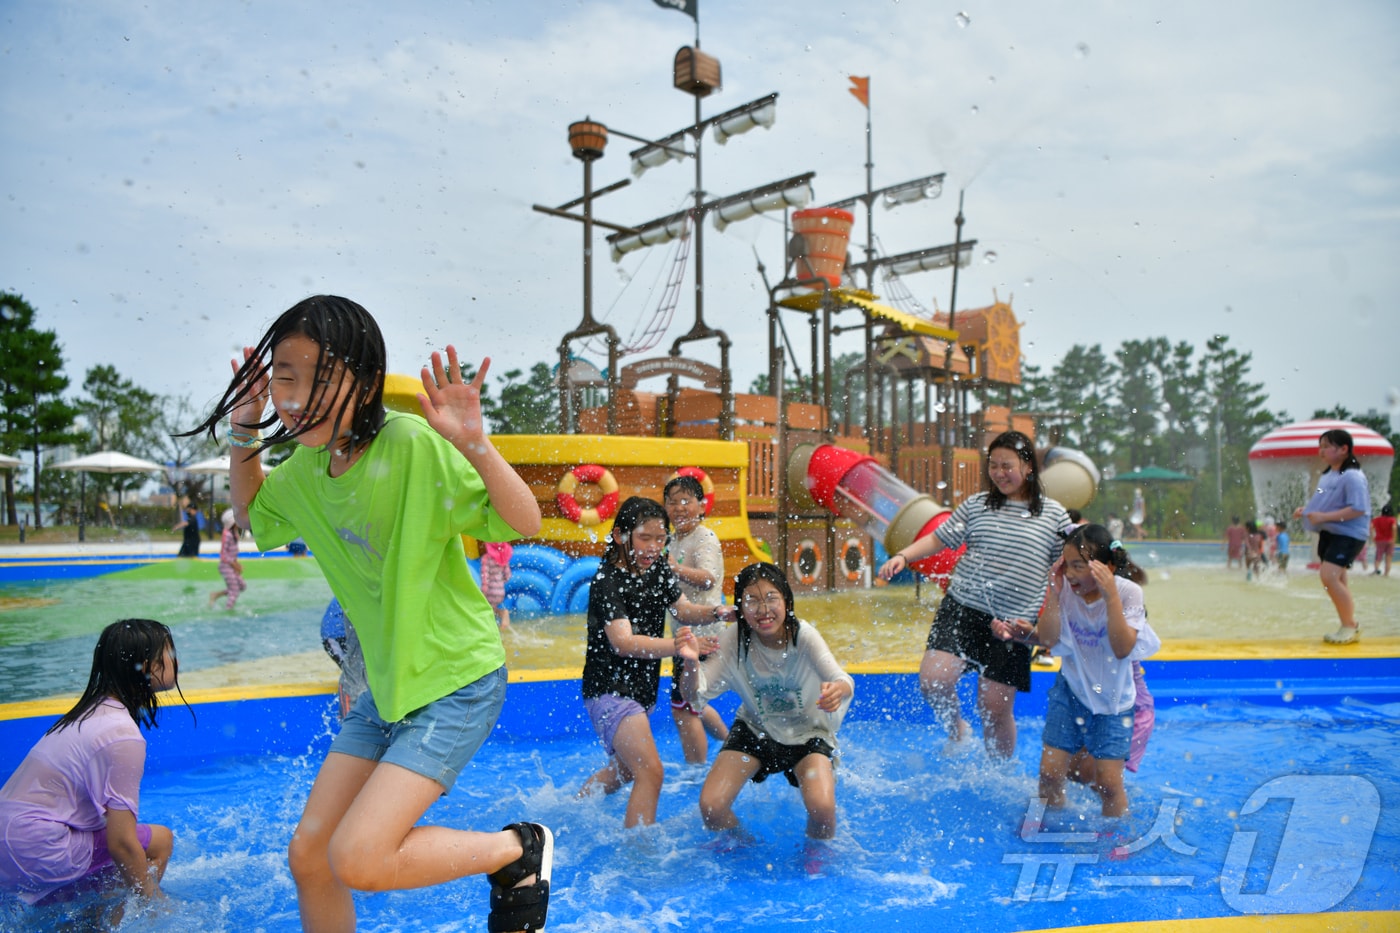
<point>627,606</point>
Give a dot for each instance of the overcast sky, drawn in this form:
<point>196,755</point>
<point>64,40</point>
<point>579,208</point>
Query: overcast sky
<point>177,174</point>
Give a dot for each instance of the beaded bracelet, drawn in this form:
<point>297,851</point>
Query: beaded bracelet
<point>241,439</point>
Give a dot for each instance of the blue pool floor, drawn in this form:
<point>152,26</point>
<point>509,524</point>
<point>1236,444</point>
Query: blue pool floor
<point>1239,808</point>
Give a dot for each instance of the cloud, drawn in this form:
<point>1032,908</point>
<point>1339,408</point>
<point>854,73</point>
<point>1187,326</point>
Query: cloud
<point>176,175</point>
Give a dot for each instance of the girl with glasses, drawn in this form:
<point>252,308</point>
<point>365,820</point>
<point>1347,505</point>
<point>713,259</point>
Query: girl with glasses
<point>794,696</point>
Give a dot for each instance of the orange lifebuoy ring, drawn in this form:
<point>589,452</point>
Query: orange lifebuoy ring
<point>706,483</point>
<point>807,561</point>
<point>854,568</point>
<point>568,505</point>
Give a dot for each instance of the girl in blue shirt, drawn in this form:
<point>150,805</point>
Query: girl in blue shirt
<point>1339,511</point>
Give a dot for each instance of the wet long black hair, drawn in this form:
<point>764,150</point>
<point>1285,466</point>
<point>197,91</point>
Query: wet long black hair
<point>122,662</point>
<point>348,341</point>
<point>1021,446</point>
<point>635,511</point>
<point>1095,543</point>
<point>1338,437</point>
<point>747,578</point>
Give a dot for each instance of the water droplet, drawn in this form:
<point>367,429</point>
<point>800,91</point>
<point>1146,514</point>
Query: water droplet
<point>989,257</point>
<point>940,485</point>
<point>1081,50</point>
<point>1098,688</point>
<point>1028,283</point>
<point>963,20</point>
<point>940,407</point>
<point>807,48</point>
<point>1288,696</point>
<point>976,110</point>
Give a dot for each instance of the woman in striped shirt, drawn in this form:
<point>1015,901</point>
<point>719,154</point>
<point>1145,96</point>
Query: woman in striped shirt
<point>1013,534</point>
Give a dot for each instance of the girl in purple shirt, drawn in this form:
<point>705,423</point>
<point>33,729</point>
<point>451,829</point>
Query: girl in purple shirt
<point>68,814</point>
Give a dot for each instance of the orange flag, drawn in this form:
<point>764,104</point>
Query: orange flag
<point>860,90</point>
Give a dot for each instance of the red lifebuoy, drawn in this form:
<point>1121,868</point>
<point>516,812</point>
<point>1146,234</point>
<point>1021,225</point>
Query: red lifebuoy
<point>706,484</point>
<point>568,484</point>
<point>807,561</point>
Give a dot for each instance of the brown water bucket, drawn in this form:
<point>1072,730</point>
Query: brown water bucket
<point>825,232</point>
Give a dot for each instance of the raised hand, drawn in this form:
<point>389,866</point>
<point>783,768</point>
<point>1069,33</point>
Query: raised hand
<point>250,411</point>
<point>451,406</point>
<point>1103,578</point>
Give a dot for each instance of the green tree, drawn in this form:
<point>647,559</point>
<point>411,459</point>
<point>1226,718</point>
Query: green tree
<point>1236,411</point>
<point>33,414</point>
<point>118,415</point>
<point>1081,392</point>
<point>524,406</point>
<point>1035,393</point>
<point>1182,391</point>
<point>1137,415</point>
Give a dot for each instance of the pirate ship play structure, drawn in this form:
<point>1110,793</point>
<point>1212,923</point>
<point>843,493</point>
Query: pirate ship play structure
<point>784,479</point>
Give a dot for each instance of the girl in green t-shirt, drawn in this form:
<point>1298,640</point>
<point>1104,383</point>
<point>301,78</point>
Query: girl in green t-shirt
<point>383,500</point>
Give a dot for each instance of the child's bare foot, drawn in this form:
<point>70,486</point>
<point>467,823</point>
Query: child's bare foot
<point>961,742</point>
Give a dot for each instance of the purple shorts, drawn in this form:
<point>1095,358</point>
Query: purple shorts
<point>608,712</point>
<point>101,871</point>
<point>101,858</point>
<point>1144,718</point>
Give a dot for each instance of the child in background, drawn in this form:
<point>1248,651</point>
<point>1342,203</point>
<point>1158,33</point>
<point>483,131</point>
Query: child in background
<point>495,573</point>
<point>1340,513</point>
<point>1253,551</point>
<point>1284,543</point>
<point>1383,533</point>
<point>1095,620</point>
<point>698,563</point>
<point>627,606</point>
<point>68,820</point>
<point>1234,542</point>
<point>230,567</point>
<point>795,696</point>
<point>383,500</point>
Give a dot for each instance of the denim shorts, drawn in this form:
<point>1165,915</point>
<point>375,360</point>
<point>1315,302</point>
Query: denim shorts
<point>1070,726</point>
<point>436,740</point>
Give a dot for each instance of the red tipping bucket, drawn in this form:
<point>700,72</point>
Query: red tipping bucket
<point>825,232</point>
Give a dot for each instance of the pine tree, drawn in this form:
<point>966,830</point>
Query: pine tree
<point>33,414</point>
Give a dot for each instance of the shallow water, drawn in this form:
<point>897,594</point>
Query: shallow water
<point>923,840</point>
<point>47,629</point>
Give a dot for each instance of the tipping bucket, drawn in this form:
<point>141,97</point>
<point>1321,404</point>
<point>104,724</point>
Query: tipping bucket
<point>825,232</point>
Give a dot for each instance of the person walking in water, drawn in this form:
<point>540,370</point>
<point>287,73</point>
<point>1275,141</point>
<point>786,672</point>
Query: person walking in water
<point>1339,511</point>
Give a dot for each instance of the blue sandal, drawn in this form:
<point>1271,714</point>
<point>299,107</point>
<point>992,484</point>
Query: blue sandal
<point>523,908</point>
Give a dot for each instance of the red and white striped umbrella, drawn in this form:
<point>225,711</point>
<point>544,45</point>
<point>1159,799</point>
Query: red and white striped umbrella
<point>1299,441</point>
